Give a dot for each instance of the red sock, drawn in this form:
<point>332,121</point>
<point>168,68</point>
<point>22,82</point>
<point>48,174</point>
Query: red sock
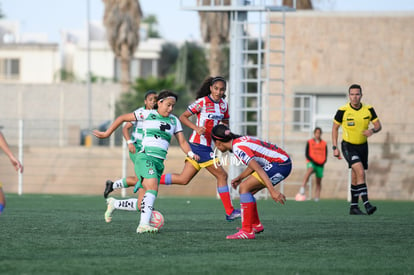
<point>225,199</point>
<point>256,219</point>
<point>162,180</point>
<point>247,216</point>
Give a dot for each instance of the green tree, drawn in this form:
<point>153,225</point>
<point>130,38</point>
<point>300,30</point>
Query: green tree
<point>168,59</point>
<point>152,23</point>
<point>192,66</point>
<point>122,20</point>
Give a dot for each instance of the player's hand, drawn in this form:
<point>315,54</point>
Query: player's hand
<point>236,182</point>
<point>337,153</point>
<point>16,163</point>
<point>201,130</point>
<point>196,157</point>
<point>131,148</point>
<point>278,197</point>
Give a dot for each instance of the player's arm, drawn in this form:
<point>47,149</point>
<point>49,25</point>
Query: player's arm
<point>118,121</point>
<point>127,136</point>
<point>276,195</point>
<point>185,146</point>
<point>5,147</point>
<point>335,131</point>
<point>185,119</point>
<point>376,129</point>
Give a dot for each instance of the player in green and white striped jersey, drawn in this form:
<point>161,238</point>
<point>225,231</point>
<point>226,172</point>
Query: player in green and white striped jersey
<point>134,143</point>
<point>159,126</point>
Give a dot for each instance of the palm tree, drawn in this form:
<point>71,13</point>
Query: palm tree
<point>215,27</point>
<point>122,19</point>
<point>300,4</point>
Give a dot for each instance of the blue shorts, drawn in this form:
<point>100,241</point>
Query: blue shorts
<point>206,156</point>
<point>276,172</point>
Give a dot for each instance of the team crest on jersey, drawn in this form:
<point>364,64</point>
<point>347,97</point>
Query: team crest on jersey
<point>222,107</point>
<point>151,171</point>
<point>172,120</point>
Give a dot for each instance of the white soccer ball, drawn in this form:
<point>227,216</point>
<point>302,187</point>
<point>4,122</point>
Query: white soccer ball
<point>157,219</point>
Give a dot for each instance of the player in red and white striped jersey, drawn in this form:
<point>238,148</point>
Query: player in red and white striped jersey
<point>267,165</point>
<point>210,108</point>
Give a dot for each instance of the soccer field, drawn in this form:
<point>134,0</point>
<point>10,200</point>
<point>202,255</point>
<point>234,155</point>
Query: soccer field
<point>57,234</point>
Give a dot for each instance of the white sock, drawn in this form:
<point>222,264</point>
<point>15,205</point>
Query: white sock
<point>118,184</point>
<point>302,191</point>
<point>128,204</point>
<point>147,206</point>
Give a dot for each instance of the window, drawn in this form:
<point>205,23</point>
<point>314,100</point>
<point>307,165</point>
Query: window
<point>138,68</point>
<point>9,68</point>
<point>311,110</point>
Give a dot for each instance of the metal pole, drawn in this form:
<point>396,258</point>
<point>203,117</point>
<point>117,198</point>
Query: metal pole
<point>89,69</point>
<point>20,175</point>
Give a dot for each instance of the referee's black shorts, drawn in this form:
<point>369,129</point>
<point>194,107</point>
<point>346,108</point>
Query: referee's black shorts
<point>354,153</point>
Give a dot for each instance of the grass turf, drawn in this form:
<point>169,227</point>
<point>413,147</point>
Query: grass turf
<point>57,234</point>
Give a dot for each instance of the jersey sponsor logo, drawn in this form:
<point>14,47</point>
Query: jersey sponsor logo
<point>164,126</point>
<point>215,116</point>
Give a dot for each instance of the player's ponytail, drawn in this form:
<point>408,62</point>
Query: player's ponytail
<point>222,133</point>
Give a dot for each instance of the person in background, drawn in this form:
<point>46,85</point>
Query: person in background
<point>267,165</point>
<point>316,153</point>
<point>134,142</point>
<point>15,162</point>
<point>355,117</point>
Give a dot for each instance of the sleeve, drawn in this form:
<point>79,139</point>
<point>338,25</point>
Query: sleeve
<point>339,116</point>
<point>178,126</point>
<point>307,155</point>
<point>243,153</point>
<point>141,114</point>
<point>196,106</point>
<point>226,113</point>
<point>374,116</point>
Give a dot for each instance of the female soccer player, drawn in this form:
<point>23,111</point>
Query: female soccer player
<point>134,147</point>
<point>210,108</point>
<point>159,126</point>
<point>267,165</point>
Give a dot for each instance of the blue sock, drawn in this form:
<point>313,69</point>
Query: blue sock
<point>1,207</point>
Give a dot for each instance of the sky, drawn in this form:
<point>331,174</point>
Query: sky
<point>175,24</point>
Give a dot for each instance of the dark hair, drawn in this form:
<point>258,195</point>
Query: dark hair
<point>149,92</point>
<point>204,89</point>
<point>317,128</point>
<point>355,86</point>
<point>222,133</point>
<point>163,95</point>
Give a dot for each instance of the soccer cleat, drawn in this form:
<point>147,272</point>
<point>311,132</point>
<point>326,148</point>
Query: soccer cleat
<point>109,209</point>
<point>146,229</point>
<point>356,211</point>
<point>234,215</point>
<point>241,235</point>
<point>108,188</point>
<point>257,228</point>
<point>370,209</point>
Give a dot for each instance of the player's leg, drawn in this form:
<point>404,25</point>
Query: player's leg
<point>125,204</point>
<point>186,175</point>
<point>318,188</point>
<point>224,192</point>
<point>357,176</point>
<point>250,216</point>
<point>150,170</point>
<point>2,199</point>
<point>301,195</point>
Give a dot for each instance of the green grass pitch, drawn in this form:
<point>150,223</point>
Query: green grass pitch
<point>57,234</point>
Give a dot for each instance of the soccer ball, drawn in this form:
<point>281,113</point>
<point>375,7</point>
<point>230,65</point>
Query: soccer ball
<point>157,219</point>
